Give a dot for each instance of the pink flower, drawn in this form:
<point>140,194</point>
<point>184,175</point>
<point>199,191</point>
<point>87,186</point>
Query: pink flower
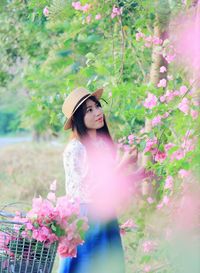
<point>85,8</point>
<point>147,268</point>
<point>159,206</point>
<point>150,143</point>
<point>169,95</point>
<point>176,93</point>
<point>77,5</point>
<point>178,155</point>
<point>157,40</point>
<point>139,35</point>
<point>131,137</point>
<point>128,224</point>
<point>68,248</point>
<point>147,45</point>
<point>148,39</point>
<point>151,101</point>
<point>188,144</point>
<point>169,183</point>
<point>162,98</point>
<point>88,19</point>
<point>149,246</point>
<point>163,69</point>
<point>46,11</point>
<point>155,121</point>
<point>170,58</point>
<point>165,200</point>
<point>150,200</point>
<point>184,106</point>
<point>116,12</point>
<point>98,17</point>
<point>162,83</point>
<point>168,146</point>
<point>183,90</point>
<point>165,115</point>
<point>183,173</point>
<point>160,156</point>
<point>194,114</point>
<point>29,225</point>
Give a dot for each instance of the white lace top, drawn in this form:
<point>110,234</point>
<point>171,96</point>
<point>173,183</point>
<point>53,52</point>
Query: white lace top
<point>76,169</point>
<point>78,176</point>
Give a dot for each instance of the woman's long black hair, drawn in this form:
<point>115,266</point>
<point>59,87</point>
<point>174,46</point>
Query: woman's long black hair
<point>79,125</point>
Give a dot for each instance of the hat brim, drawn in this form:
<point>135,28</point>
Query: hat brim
<point>98,93</point>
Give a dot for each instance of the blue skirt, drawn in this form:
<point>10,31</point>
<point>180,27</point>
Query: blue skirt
<point>101,252</point>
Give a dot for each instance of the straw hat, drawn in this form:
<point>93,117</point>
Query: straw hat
<point>74,100</point>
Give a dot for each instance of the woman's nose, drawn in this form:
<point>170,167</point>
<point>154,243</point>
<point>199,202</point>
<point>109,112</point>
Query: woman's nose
<point>98,111</point>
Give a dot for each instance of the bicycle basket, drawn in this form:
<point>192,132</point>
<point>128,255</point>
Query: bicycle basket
<point>23,255</point>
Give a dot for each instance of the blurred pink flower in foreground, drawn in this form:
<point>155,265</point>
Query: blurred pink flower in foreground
<point>186,38</point>
<point>113,188</point>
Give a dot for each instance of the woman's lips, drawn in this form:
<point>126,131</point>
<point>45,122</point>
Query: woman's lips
<point>100,119</point>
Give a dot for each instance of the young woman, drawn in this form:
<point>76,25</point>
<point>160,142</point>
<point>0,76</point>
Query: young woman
<point>102,250</point>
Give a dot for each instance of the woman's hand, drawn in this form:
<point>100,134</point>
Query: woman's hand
<point>128,158</point>
<point>131,156</point>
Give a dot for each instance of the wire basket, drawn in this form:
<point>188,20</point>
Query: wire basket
<point>23,255</point>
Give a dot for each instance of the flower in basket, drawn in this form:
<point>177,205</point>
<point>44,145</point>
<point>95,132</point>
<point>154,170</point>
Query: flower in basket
<point>55,220</point>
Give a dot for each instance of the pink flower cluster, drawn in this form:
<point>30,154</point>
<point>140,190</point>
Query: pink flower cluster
<point>149,40</point>
<point>78,6</point>
<point>160,156</point>
<point>127,226</point>
<point>184,106</point>
<point>53,220</point>
<point>116,12</point>
<point>162,83</point>
<point>150,145</point>
<point>149,246</point>
<point>170,95</point>
<point>151,101</point>
<point>158,119</point>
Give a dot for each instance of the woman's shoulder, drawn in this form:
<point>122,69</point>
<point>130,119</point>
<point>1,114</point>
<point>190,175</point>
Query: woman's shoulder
<point>74,146</point>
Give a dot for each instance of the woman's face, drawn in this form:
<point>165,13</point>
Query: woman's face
<point>93,118</point>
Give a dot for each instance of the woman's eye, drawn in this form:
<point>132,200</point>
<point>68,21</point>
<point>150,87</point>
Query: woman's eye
<point>89,110</point>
